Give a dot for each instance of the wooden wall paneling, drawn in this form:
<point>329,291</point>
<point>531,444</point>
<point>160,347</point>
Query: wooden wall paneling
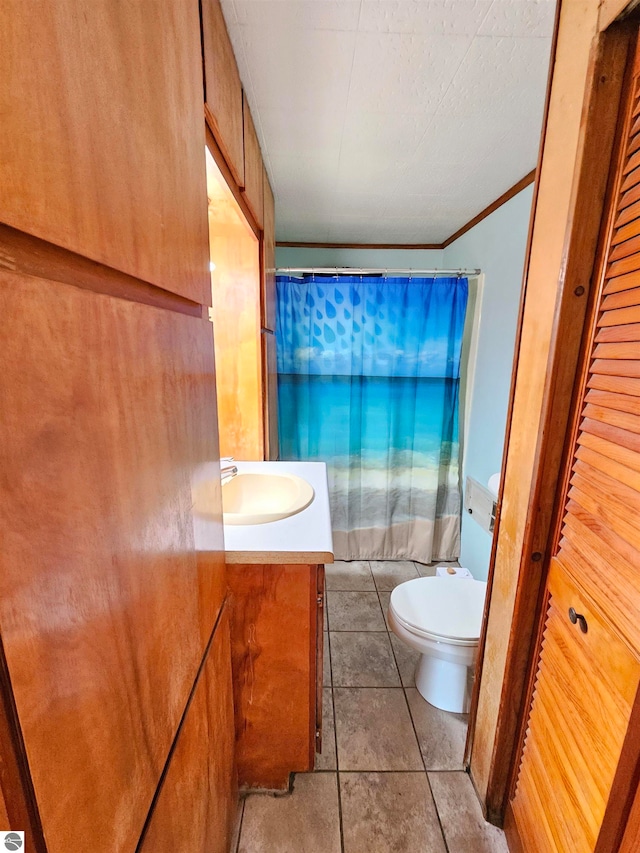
<point>253,188</point>
<point>103,155</point>
<point>273,650</point>
<point>270,393</point>
<point>196,804</point>
<point>269,259</point>
<point>108,413</point>
<point>235,284</point>
<point>556,289</point>
<point>223,89</point>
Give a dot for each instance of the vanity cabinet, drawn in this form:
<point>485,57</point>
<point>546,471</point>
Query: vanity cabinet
<point>196,804</point>
<point>276,652</point>
<point>102,137</point>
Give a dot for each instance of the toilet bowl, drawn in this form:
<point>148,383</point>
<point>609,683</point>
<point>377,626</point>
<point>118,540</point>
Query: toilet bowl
<point>441,619</point>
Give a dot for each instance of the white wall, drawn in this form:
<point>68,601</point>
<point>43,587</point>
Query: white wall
<point>497,246</point>
<point>372,258</point>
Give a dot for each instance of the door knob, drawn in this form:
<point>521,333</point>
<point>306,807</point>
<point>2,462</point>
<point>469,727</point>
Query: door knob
<point>579,619</point>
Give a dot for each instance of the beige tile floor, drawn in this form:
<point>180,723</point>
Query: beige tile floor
<point>390,777</point>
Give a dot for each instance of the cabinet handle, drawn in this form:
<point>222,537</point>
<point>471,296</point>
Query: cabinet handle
<point>579,619</point>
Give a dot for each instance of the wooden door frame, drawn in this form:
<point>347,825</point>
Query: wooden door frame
<point>599,130</point>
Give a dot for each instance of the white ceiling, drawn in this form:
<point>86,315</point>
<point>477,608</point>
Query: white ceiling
<point>391,121</point>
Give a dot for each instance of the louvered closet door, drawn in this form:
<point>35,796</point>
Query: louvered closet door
<point>586,683</point>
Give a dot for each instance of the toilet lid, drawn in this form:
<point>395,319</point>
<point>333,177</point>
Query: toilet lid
<point>444,607</point>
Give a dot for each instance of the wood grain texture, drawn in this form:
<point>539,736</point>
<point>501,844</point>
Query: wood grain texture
<point>623,282</point>
<point>18,807</point>
<point>103,154</point>
<point>235,286</point>
<point>580,755</point>
<point>617,402</point>
<point>270,392</point>
<point>631,840</point>
<point>22,253</point>
<point>573,181</point>
<point>196,806</point>
<point>108,413</point>
<point>253,189</point>
<point>4,815</point>
<point>612,9</point>
<point>585,689</point>
<point>223,89</point>
<point>273,649</point>
<point>269,259</point>
<point>628,210</point>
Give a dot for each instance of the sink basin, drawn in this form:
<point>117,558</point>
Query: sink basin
<point>260,498</point>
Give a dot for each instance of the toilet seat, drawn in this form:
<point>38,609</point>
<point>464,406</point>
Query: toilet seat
<point>446,610</point>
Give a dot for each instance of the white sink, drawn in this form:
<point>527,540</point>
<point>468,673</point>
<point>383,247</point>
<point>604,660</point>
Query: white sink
<point>260,498</point>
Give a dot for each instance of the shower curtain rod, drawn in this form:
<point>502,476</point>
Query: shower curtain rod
<point>373,270</point>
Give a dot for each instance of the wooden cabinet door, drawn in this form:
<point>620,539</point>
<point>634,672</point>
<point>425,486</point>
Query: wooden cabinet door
<point>108,414</point>
<point>585,688</point>
<point>269,259</point>
<point>270,394</point>
<point>273,614</point>
<point>196,806</point>
<point>223,89</point>
<point>102,135</point>
<point>253,190</point>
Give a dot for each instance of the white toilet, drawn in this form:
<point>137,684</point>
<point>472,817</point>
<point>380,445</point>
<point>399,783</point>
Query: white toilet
<point>441,619</point>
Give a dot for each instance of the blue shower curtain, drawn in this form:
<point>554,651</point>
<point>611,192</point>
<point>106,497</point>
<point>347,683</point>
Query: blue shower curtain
<point>368,382</point>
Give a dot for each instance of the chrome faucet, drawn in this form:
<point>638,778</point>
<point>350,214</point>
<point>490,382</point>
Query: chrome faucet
<point>227,470</point>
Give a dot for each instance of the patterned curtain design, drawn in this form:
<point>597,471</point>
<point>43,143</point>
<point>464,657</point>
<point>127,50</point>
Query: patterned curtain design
<point>368,382</point>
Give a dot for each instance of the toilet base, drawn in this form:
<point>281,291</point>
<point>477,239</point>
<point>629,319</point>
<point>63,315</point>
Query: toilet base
<point>443,684</point>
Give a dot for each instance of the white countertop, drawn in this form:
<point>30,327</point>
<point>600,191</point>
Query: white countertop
<point>302,538</point>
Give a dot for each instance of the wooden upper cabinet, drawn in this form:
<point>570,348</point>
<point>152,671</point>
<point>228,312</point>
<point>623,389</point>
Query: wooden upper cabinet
<point>196,805</point>
<point>253,190</point>
<point>269,259</point>
<point>102,136</point>
<point>223,89</point>
<point>108,421</point>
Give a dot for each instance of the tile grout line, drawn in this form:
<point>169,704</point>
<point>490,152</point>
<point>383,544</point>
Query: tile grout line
<point>335,728</point>
<point>415,732</point>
